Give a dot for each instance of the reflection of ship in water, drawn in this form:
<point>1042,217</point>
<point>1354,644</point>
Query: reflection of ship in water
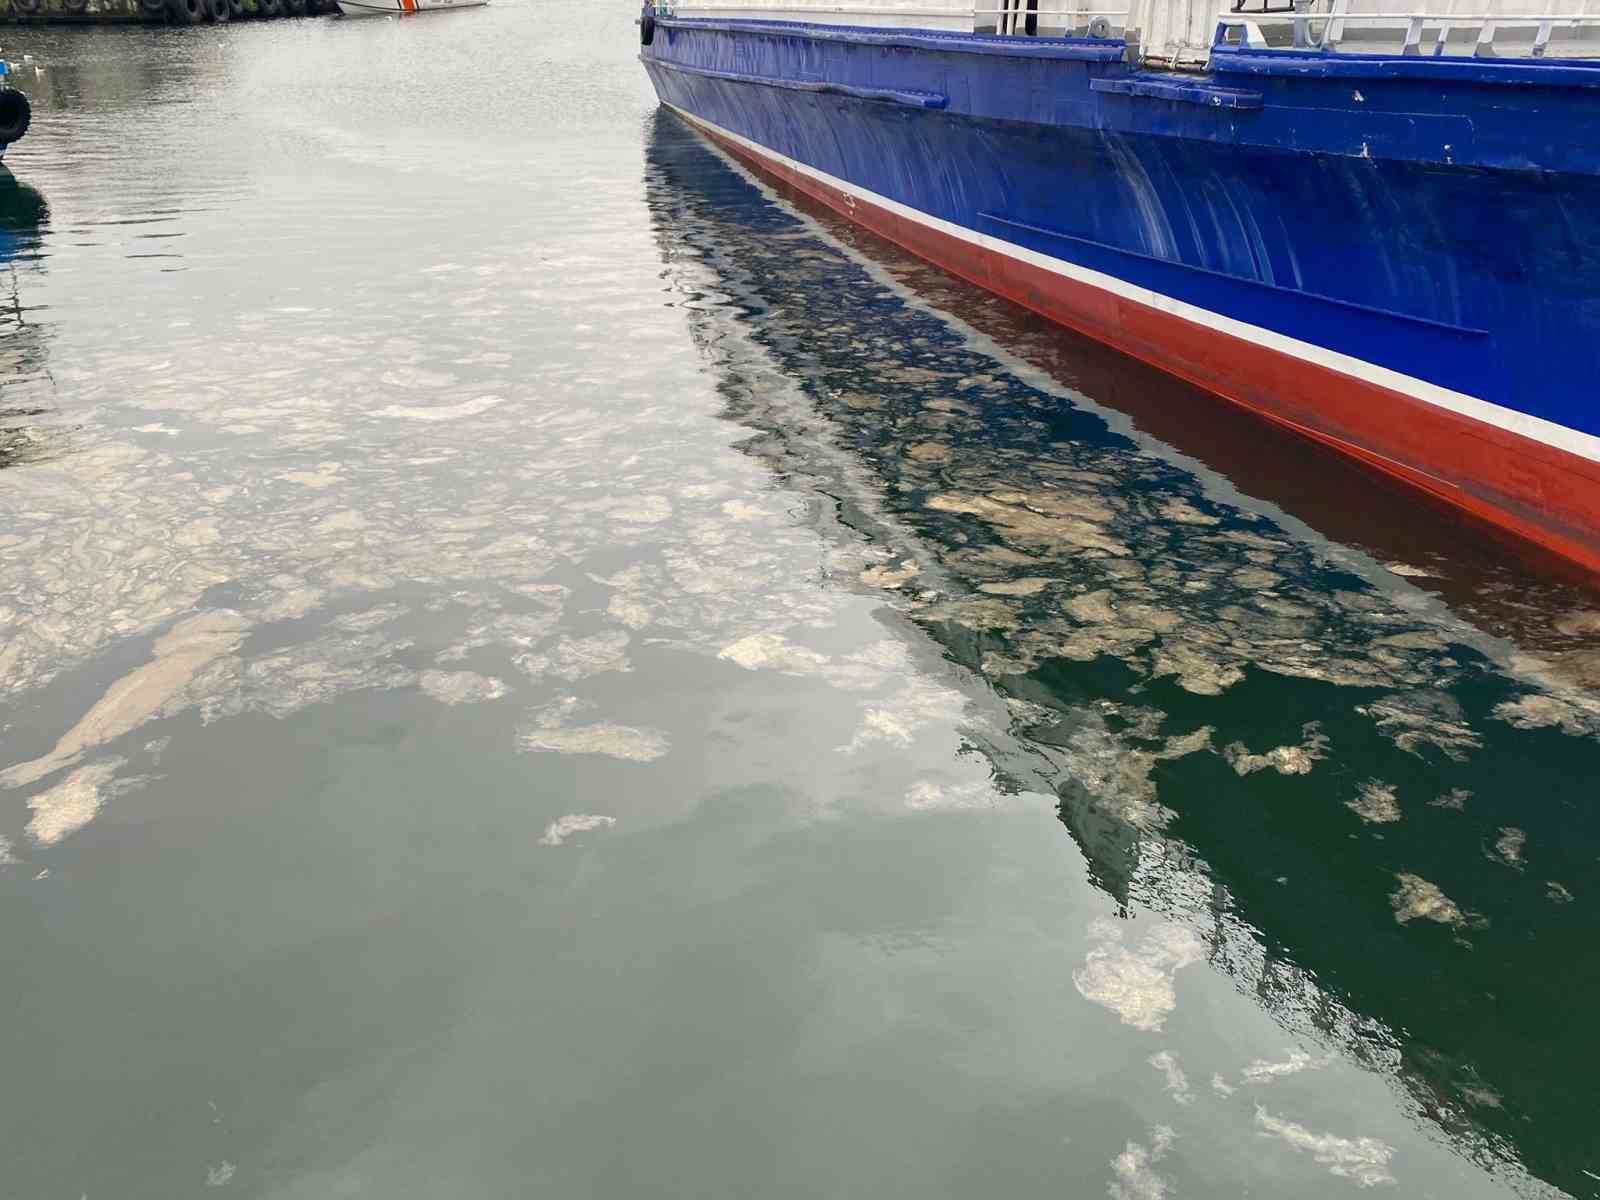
<point>22,212</point>
<point>1318,764</point>
<point>1504,586</point>
<point>24,382</point>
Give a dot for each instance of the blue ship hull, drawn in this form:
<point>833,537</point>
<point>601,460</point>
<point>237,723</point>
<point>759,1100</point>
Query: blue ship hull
<point>1398,256</point>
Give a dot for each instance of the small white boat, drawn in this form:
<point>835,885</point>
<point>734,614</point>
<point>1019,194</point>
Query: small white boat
<point>389,8</point>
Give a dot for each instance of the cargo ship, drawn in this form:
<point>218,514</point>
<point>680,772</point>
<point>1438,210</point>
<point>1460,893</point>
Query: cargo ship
<point>1374,222</point>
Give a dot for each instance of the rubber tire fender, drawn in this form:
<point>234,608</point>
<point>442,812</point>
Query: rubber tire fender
<point>27,8</point>
<point>647,25</point>
<point>236,10</point>
<point>218,11</point>
<point>16,114</point>
<point>153,8</point>
<point>294,8</point>
<point>75,6</point>
<point>186,12</point>
<point>269,8</point>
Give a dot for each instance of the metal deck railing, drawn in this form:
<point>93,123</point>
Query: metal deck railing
<point>1182,32</point>
<point>1012,17</point>
<point>1496,30</point>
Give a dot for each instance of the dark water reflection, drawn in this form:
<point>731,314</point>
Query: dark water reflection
<point>1382,817</point>
<point>24,392</point>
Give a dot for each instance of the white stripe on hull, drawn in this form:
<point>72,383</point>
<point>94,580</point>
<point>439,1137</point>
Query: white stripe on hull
<point>1549,433</point>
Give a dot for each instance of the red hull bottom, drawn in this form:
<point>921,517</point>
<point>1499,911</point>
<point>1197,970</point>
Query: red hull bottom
<point>1539,493</point>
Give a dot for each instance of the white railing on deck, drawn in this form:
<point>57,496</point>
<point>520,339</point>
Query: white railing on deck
<point>1012,18</point>
<point>1102,18</point>
<point>935,14</point>
<point>1483,28</point>
<point>1182,33</point>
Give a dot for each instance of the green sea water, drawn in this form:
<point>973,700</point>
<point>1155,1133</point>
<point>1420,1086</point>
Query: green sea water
<point>535,666</point>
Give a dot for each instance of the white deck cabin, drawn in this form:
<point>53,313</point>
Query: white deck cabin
<point>1181,33</point>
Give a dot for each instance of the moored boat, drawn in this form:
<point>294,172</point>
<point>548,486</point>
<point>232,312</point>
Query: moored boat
<point>1375,224</point>
<point>390,8</point>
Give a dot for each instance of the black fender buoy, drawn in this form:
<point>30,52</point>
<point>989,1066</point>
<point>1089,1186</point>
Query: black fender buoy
<point>236,10</point>
<point>647,25</point>
<point>218,11</point>
<point>186,12</point>
<point>269,8</point>
<point>16,114</point>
